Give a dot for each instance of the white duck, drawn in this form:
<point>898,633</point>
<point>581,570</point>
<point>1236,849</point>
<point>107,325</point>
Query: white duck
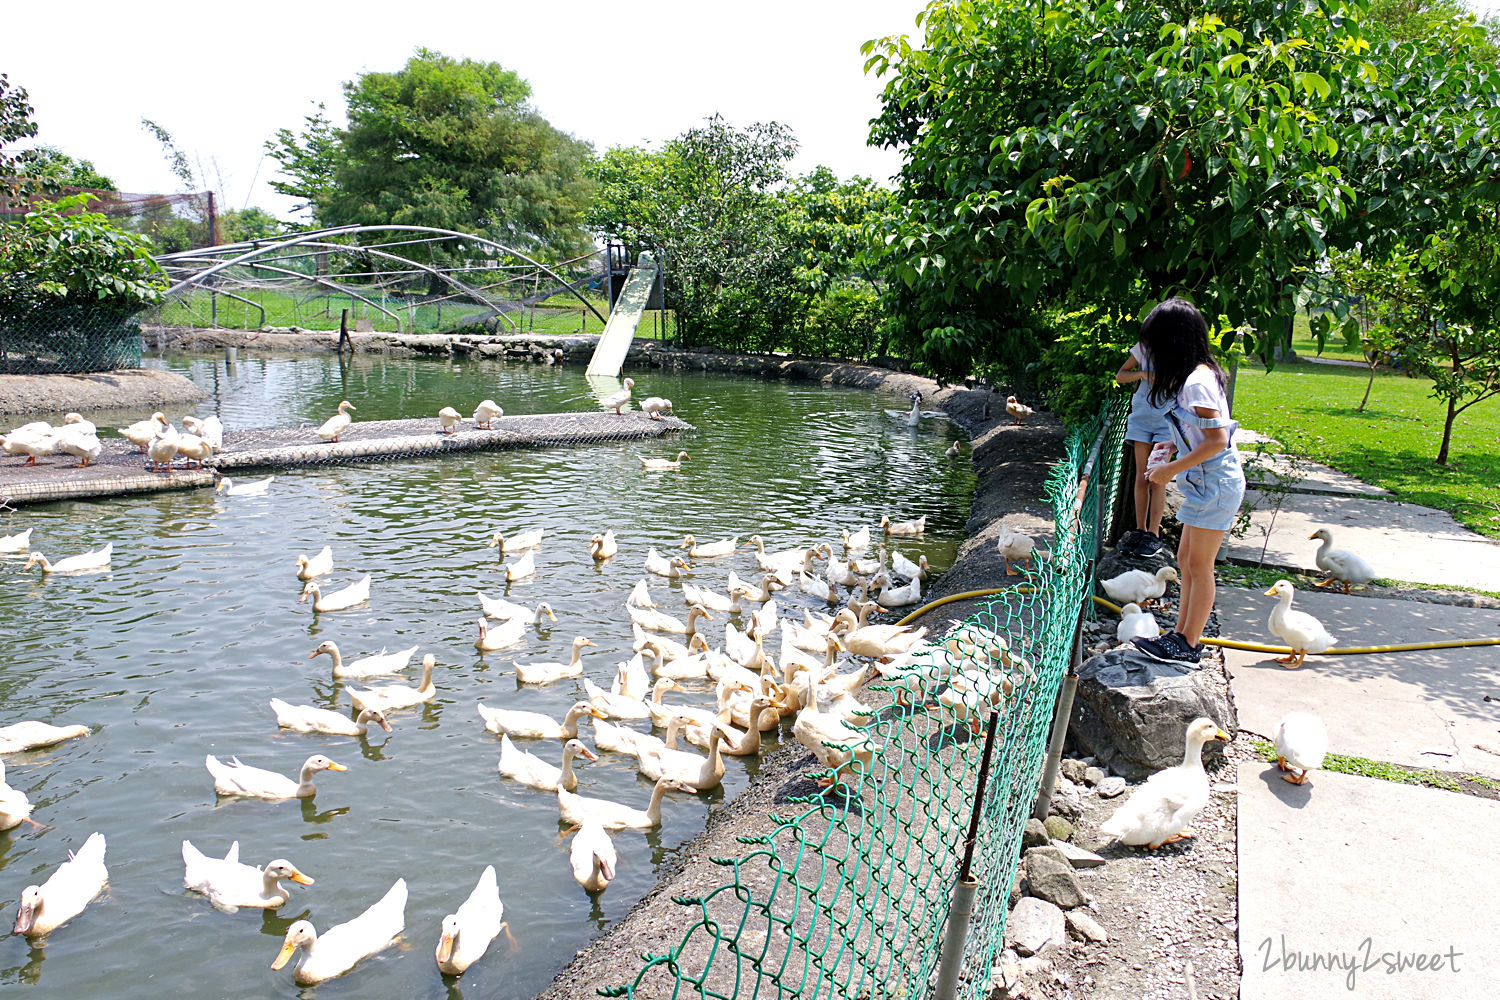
<point>509,632</point>
<point>593,858</point>
<point>816,729</point>
<point>31,734</point>
<point>546,673</point>
<point>533,772</point>
<point>15,807</point>
<point>1162,809</point>
<point>905,528</point>
<point>616,400</point>
<point>623,739</point>
<point>319,565</point>
<point>19,542</point>
<point>390,697</point>
<point>46,907</point>
<point>858,540</point>
<point>1340,565</point>
<point>750,592</point>
<point>710,599</point>
<point>194,449</point>
<point>1298,629</point>
<point>656,621</point>
<point>904,596</point>
<point>307,719</point>
<point>338,423</point>
<point>229,885</point>
<point>502,610</point>
<point>162,449</point>
<point>31,443</point>
<point>1139,587</point>
<point>521,569</point>
<point>879,640</point>
<point>712,550</point>
<point>1018,410</point>
<point>520,541</point>
<point>381,664</point>
<point>843,573</point>
<point>693,770</point>
<point>466,933</point>
<point>83,444</point>
<point>231,778</point>
<point>96,561</point>
<point>355,594</point>
<point>663,464</point>
<point>1016,547</point>
<point>210,430</point>
<point>602,547</point>
<point>256,489</point>
<point>579,810</point>
<point>673,569</point>
<point>485,414</point>
<point>611,705</point>
<point>914,416</point>
<point>1135,623</point>
<point>141,432</point>
<point>1301,745</point>
<point>773,561</point>
<point>534,725</point>
<point>450,420</point>
<point>343,946</point>
<point>911,570</point>
<point>655,406</point>
<point>640,596</point>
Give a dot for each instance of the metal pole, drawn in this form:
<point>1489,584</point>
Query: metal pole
<point>1060,722</point>
<point>961,908</point>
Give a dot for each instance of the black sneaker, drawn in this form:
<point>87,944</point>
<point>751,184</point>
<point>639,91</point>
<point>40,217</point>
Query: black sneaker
<point>1147,546</point>
<point>1170,647</point>
<point>1130,540</point>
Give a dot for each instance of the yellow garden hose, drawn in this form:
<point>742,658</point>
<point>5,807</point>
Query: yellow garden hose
<point>1252,647</point>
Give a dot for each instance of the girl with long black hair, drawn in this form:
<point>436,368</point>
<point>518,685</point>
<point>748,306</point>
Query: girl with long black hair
<point>1190,384</point>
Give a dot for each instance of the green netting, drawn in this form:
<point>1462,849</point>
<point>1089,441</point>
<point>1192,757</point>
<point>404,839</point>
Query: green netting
<point>68,339</point>
<point>849,896</point>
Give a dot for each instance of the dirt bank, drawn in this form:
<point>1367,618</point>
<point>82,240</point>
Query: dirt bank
<point>129,388</point>
<point>1012,465</point>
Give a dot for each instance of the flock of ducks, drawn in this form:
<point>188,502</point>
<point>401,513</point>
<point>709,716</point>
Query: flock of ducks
<point>76,436</point>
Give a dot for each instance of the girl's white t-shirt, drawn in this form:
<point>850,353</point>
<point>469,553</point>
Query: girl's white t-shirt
<point>1201,389</point>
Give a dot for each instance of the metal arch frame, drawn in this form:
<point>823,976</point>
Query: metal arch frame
<point>316,236</point>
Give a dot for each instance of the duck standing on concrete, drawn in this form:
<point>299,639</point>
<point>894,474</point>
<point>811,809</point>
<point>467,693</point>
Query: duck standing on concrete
<point>614,401</point>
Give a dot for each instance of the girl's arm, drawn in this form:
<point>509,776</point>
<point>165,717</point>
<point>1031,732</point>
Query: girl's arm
<point>1129,372</point>
<point>1215,440</point>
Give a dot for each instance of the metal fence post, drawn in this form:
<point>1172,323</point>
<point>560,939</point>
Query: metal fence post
<point>1060,719</point>
<point>961,908</point>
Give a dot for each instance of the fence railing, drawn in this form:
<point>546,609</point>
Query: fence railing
<point>848,897</point>
<point>68,339</point>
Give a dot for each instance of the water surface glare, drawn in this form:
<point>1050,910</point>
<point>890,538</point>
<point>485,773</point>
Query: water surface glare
<point>174,653</point>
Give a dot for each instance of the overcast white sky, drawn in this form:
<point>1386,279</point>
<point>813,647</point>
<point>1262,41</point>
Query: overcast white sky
<point>223,77</point>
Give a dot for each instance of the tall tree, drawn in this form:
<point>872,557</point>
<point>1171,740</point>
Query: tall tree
<point>1067,153</point>
<point>453,144</point>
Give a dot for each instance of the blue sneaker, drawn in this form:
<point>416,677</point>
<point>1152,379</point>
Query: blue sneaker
<point>1170,647</point>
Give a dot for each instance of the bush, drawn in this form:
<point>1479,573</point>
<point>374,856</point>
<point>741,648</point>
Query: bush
<point>1076,372</point>
<point>847,322</point>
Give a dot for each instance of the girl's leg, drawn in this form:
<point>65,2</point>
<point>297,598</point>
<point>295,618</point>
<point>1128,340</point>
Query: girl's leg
<point>1145,497</point>
<point>1199,550</point>
<point>1157,503</point>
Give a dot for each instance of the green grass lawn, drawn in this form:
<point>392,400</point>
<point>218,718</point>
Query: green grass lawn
<point>1304,344</point>
<point>1310,409</point>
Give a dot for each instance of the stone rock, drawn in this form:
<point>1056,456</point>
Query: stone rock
<point>1053,880</point>
<point>1007,972</point>
<point>1059,828</point>
<point>1132,712</point>
<point>1035,925</point>
<point>1077,856</point>
<point>1111,786</point>
<point>1092,776</point>
<point>1073,770</point>
<point>1067,800</point>
<point>1035,834</point>
<point>1085,928</point>
<point>1050,851</point>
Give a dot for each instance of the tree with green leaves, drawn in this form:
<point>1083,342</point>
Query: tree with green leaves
<point>53,169</point>
<point>453,144</point>
<point>1068,155</point>
<point>60,254</point>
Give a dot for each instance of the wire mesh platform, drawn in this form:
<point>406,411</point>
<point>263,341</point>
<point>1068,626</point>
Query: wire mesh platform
<point>122,469</point>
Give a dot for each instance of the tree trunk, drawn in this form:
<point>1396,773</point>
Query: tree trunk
<point>1442,458</point>
<point>1368,386</point>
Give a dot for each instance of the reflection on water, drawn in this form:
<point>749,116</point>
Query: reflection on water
<point>175,652</point>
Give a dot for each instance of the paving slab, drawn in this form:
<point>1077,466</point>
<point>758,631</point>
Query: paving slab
<point>1302,476</point>
<point>1402,541</point>
<point>1360,888</point>
<point>1422,709</point>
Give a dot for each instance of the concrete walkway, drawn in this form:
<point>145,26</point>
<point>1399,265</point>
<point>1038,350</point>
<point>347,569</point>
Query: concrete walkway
<point>1345,880</point>
<point>1421,709</point>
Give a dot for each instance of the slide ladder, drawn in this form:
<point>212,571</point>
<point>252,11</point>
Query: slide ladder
<point>624,317</point>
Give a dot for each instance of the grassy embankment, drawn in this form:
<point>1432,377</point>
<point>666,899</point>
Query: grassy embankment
<point>1311,410</point>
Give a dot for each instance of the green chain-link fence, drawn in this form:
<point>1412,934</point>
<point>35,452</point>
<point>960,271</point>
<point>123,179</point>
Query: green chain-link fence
<point>848,897</point>
<point>68,339</point>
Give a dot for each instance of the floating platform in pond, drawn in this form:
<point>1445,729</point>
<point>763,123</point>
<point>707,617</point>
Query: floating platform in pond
<point>122,469</point>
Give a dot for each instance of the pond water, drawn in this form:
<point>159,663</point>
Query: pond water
<point>174,653</point>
